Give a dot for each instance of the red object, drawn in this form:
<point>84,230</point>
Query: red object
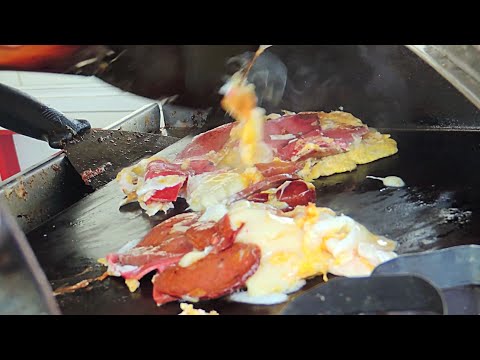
<point>9,164</point>
<point>296,193</point>
<point>34,57</point>
<point>293,193</point>
<point>300,129</point>
<point>169,241</point>
<point>211,277</point>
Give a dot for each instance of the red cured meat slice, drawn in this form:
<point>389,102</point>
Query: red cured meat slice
<point>218,234</point>
<point>298,131</point>
<point>263,185</point>
<point>167,194</point>
<point>324,147</point>
<point>169,241</point>
<point>286,135</point>
<point>212,140</point>
<point>158,168</point>
<point>211,277</point>
<point>344,136</point>
<point>295,125</point>
<point>293,193</point>
<point>261,197</point>
<point>163,246</point>
<point>296,193</point>
<point>277,168</point>
<point>200,166</point>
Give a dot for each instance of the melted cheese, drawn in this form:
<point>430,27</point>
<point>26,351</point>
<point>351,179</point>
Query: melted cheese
<point>391,181</point>
<point>132,284</point>
<point>206,190</point>
<point>211,189</point>
<point>305,242</point>
<point>193,256</point>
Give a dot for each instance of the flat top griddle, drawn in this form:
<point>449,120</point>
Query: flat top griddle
<point>437,209</point>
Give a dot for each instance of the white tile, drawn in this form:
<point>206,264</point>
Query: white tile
<point>70,91</point>
<point>9,78</point>
<point>95,103</point>
<point>36,78</point>
<point>31,151</point>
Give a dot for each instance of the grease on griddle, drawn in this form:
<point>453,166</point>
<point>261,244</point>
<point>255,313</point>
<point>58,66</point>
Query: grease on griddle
<point>80,285</point>
<point>20,190</point>
<point>8,193</point>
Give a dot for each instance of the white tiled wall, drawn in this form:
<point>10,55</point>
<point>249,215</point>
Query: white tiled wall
<point>77,97</point>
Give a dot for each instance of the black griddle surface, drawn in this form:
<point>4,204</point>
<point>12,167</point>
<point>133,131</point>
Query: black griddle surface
<point>438,208</point>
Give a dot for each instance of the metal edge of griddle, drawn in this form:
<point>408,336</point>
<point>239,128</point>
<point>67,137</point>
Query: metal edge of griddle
<point>24,289</point>
<point>37,193</point>
<point>145,119</point>
<point>458,64</point>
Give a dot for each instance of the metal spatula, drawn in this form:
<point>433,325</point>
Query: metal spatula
<point>97,155</point>
<point>369,295</point>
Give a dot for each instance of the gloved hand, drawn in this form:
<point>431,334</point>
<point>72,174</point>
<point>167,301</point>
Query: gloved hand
<point>268,74</point>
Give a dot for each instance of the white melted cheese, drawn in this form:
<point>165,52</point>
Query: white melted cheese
<point>390,181</point>
<point>117,269</point>
<point>207,190</point>
<point>283,137</point>
<point>274,235</point>
<point>156,207</point>
<point>214,213</point>
<point>306,242</point>
<point>193,256</point>
<point>270,299</point>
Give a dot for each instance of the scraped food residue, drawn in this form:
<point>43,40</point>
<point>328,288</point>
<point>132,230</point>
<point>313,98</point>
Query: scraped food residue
<point>80,285</point>
<point>89,174</point>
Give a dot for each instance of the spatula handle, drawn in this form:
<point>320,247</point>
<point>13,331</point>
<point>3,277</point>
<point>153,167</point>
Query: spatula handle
<point>23,114</point>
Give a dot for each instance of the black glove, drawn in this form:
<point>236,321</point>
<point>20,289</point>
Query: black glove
<point>268,74</point>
